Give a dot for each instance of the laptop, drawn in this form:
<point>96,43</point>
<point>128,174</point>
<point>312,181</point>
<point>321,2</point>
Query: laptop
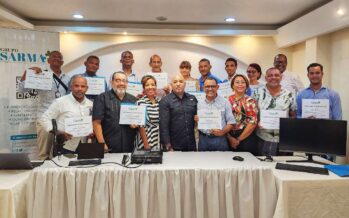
<point>17,161</point>
<point>90,151</point>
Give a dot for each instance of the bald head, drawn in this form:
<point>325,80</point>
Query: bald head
<point>178,84</point>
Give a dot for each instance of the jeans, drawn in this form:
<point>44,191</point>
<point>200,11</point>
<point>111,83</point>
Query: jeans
<point>213,143</point>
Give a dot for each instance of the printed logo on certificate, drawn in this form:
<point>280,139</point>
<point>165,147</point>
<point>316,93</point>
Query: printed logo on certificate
<point>42,81</point>
<point>78,126</point>
<point>270,119</point>
<point>134,88</point>
<point>96,85</point>
<point>209,119</point>
<point>318,108</point>
<point>132,114</point>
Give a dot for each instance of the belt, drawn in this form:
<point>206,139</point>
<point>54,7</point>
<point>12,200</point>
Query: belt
<point>207,135</point>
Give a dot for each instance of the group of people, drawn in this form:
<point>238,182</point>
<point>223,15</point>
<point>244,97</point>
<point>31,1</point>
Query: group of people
<point>172,112</point>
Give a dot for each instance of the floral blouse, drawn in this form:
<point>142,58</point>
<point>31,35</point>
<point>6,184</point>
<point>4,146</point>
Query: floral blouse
<point>245,111</point>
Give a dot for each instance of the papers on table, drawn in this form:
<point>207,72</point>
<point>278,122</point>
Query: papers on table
<point>190,86</point>
<point>96,85</point>
<point>225,90</point>
<point>209,119</point>
<point>270,119</point>
<point>41,80</point>
<point>78,126</point>
<point>200,96</point>
<point>161,79</point>
<point>134,88</point>
<point>132,114</point>
<point>318,108</point>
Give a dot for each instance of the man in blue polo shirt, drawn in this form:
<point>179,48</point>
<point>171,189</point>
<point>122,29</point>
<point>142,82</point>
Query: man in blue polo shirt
<point>205,71</point>
<point>317,91</point>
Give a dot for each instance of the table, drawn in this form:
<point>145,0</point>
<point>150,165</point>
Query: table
<point>191,185</point>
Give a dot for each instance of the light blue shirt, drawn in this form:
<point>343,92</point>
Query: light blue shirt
<point>323,93</point>
<point>221,104</point>
<point>201,80</point>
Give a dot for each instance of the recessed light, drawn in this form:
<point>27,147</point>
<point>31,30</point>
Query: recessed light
<point>340,12</point>
<point>229,19</point>
<point>78,16</point>
<point>65,32</point>
<point>124,33</point>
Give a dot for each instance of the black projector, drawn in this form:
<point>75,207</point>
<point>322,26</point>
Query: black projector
<point>146,157</point>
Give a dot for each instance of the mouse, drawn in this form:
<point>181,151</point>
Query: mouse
<point>238,158</point>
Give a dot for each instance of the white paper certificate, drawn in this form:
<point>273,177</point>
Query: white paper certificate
<point>41,80</point>
<point>270,119</point>
<point>134,88</point>
<point>78,126</point>
<point>132,114</point>
<point>161,79</point>
<point>318,108</point>
<point>225,90</point>
<point>190,86</point>
<point>209,119</point>
<point>200,96</point>
<point>96,85</point>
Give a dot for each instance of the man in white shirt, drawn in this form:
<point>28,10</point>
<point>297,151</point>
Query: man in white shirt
<point>289,81</point>
<point>155,63</point>
<point>73,105</point>
<point>60,88</point>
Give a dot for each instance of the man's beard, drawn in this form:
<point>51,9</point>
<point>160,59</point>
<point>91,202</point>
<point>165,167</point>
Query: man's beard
<point>119,91</point>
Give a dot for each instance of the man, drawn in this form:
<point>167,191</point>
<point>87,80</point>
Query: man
<point>272,96</point>
<point>230,67</point>
<point>317,91</point>
<point>106,115</point>
<point>73,105</point>
<point>205,71</point>
<point>289,81</point>
<point>127,61</point>
<point>177,111</point>
<point>215,139</point>
<point>60,86</point>
<point>92,66</point>
<point>155,63</point>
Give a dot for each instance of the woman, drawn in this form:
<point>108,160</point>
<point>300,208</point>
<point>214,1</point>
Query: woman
<point>245,111</point>
<point>149,134</point>
<point>254,73</point>
<point>192,85</point>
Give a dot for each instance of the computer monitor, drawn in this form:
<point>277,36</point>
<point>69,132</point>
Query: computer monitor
<point>313,136</point>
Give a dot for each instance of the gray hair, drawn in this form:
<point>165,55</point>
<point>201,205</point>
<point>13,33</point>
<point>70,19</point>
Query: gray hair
<point>75,77</point>
<point>118,72</point>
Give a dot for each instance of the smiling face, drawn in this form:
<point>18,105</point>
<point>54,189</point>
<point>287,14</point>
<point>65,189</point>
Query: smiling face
<point>210,88</point>
<point>150,88</point>
<point>239,85</point>
<point>92,65</point>
<point>78,88</point>
<point>204,68</point>
<point>155,63</point>
<point>230,68</point>
<point>178,84</point>
<point>273,77</point>
<point>126,59</point>
<point>315,75</point>
<point>55,60</point>
<point>280,62</point>
<point>252,73</point>
<point>119,83</point>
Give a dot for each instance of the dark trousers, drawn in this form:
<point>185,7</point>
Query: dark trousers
<point>249,144</point>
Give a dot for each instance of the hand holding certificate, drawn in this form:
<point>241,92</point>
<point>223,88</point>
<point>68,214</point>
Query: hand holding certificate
<point>318,108</point>
<point>41,80</point>
<point>270,119</point>
<point>209,119</point>
<point>96,85</point>
<point>132,114</point>
<point>78,126</point>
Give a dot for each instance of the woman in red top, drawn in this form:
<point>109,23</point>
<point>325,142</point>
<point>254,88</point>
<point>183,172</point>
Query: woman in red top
<point>245,111</point>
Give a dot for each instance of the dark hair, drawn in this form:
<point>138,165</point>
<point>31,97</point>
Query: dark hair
<point>258,68</point>
<point>280,55</point>
<point>211,78</point>
<point>153,56</point>
<point>125,52</point>
<point>205,59</point>
<point>185,64</point>
<point>233,60</point>
<point>242,76</point>
<point>272,68</point>
<point>92,57</point>
<point>146,78</point>
<point>315,65</point>
<point>119,72</point>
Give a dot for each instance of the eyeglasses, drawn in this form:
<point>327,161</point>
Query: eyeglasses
<point>210,87</point>
<point>120,80</point>
<point>252,71</point>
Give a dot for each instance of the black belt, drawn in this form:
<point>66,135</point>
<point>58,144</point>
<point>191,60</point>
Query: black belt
<point>207,135</point>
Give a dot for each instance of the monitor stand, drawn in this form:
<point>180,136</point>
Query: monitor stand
<point>310,160</point>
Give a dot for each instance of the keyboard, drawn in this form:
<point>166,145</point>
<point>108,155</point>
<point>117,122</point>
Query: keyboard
<point>299,168</point>
<point>85,162</point>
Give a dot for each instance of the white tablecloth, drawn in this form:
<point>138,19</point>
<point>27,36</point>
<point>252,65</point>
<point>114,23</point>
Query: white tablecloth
<point>185,185</point>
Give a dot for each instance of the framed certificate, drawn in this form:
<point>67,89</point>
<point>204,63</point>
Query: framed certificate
<point>42,81</point>
<point>209,119</point>
<point>132,114</point>
<point>318,108</point>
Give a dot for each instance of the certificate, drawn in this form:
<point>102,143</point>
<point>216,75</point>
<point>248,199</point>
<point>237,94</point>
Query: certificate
<point>225,90</point>
<point>132,114</point>
<point>209,119</point>
<point>200,96</point>
<point>96,85</point>
<point>190,86</point>
<point>41,80</point>
<point>270,119</point>
<point>161,79</point>
<point>318,108</point>
<point>134,88</point>
<point>78,126</point>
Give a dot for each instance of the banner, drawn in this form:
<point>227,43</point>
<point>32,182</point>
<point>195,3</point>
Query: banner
<point>20,49</point>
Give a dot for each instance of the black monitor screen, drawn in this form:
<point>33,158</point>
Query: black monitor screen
<point>316,136</point>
